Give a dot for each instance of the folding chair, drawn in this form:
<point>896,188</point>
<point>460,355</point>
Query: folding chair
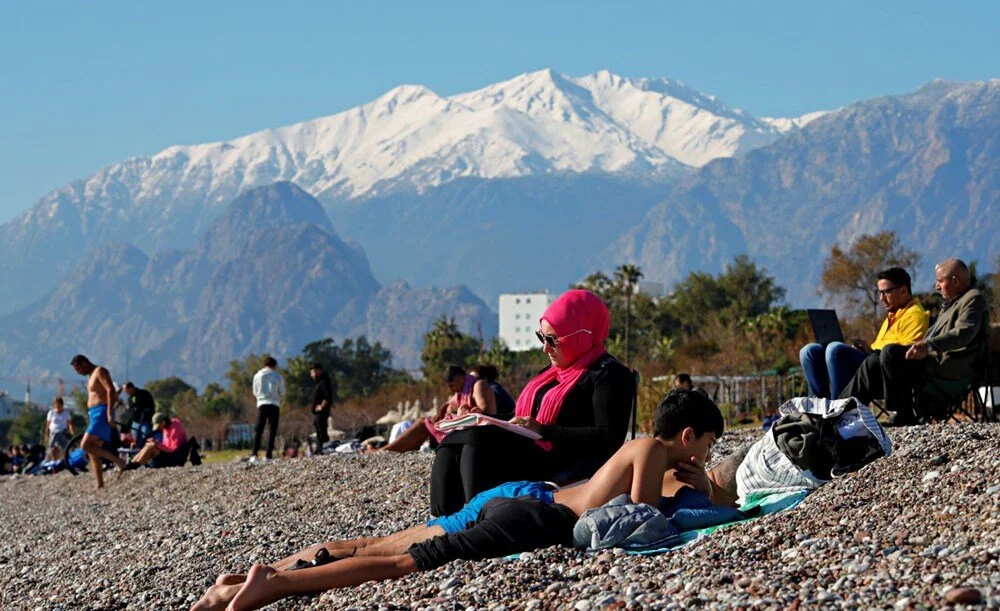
<point>943,400</point>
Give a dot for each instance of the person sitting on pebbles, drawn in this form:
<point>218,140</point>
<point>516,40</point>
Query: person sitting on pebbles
<point>167,447</point>
<point>686,426</point>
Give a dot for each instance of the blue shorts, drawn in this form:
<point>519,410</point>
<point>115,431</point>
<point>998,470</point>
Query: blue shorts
<point>99,426</point>
<point>467,516</point>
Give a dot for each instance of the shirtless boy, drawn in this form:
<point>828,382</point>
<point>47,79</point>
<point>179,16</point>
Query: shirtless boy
<point>101,397</point>
<point>685,427</point>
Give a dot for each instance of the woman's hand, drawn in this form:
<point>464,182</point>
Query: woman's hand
<point>528,422</point>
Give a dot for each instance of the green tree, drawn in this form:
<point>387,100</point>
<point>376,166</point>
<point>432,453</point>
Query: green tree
<point>216,401</point>
<point>626,278</point>
<point>27,426</point>
<point>165,391</point>
<point>444,344</point>
<point>741,291</point>
<point>359,367</point>
<point>850,275</point>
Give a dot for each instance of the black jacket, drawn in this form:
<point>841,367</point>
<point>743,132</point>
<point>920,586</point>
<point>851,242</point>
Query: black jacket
<point>141,406</point>
<point>324,389</point>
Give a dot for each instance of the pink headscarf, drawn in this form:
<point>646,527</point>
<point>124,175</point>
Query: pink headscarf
<point>574,310</point>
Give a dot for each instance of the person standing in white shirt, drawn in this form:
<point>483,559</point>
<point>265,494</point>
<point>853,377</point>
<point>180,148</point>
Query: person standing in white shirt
<point>58,428</point>
<point>268,389</point>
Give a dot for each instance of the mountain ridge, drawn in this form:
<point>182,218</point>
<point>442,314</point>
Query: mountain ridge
<point>271,275</point>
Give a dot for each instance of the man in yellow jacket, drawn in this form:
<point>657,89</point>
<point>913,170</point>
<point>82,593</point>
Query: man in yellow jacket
<point>829,369</point>
<point>948,353</point>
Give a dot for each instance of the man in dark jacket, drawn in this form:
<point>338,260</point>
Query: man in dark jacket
<point>323,396</point>
<point>141,409</point>
<point>948,352</point>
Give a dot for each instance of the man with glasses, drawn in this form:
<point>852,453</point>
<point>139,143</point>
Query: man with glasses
<point>828,370</point>
<point>948,351</point>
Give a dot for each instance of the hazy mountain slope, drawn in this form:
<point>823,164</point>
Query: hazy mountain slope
<point>924,165</point>
<point>270,276</point>
<point>407,140</point>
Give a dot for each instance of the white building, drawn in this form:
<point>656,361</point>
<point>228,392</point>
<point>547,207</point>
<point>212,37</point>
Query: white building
<point>519,314</point>
<point>650,289</point>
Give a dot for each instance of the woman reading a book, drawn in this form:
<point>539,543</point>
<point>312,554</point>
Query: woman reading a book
<point>579,406</point>
<point>475,392</point>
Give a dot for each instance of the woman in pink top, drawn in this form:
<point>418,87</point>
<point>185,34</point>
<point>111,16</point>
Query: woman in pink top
<point>170,450</point>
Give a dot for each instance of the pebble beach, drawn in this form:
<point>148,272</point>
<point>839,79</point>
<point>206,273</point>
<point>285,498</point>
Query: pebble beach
<point>919,529</point>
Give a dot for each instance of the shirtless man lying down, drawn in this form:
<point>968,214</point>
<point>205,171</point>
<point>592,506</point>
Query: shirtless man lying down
<point>686,425</point>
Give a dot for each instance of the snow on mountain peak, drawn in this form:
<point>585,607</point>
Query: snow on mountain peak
<point>410,137</point>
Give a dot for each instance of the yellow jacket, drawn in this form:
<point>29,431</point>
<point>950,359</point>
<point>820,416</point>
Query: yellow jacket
<point>904,326</point>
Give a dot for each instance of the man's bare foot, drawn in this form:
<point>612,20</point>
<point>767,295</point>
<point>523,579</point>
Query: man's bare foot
<point>230,579</point>
<point>216,598</point>
<point>254,594</point>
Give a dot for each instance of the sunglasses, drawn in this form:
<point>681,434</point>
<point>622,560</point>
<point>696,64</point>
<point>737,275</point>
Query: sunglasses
<point>552,341</point>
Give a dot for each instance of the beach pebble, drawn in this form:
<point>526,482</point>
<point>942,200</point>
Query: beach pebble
<point>964,596</point>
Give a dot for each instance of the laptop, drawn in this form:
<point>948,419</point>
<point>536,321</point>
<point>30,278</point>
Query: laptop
<point>825,326</point>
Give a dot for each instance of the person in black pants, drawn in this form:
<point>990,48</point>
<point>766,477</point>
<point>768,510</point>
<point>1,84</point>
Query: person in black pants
<point>141,409</point>
<point>268,389</point>
<point>580,406</point>
<point>322,400</point>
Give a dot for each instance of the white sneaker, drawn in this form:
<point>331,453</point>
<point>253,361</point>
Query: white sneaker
<point>253,460</point>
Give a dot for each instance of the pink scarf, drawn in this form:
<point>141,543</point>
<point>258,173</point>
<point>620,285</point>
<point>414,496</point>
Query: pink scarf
<point>574,310</point>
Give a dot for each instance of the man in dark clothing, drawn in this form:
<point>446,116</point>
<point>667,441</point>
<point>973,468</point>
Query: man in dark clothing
<point>949,351</point>
<point>141,409</point>
<point>322,400</point>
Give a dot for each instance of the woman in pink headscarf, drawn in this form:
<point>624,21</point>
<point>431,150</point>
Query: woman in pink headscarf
<point>580,405</point>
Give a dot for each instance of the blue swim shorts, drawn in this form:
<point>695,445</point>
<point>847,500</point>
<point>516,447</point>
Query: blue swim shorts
<point>99,425</point>
<point>467,516</point>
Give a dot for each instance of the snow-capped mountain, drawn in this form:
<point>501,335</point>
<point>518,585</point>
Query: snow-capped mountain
<point>408,140</point>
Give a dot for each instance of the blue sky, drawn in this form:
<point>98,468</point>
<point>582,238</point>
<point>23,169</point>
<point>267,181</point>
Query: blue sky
<point>87,84</point>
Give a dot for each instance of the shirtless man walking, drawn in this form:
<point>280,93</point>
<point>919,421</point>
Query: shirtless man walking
<point>101,397</point>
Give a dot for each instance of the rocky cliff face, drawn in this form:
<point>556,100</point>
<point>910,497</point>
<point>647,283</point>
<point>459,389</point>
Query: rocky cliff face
<point>924,165</point>
<point>270,276</point>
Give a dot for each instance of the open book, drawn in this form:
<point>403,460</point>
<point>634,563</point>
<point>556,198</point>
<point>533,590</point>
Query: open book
<point>469,420</point>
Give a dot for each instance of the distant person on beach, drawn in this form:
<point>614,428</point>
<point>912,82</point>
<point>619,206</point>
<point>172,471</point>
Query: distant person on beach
<point>268,389</point>
<point>949,351</point>
<point>323,395</point>
<point>101,398</point>
<point>167,447</point>
<point>829,369</point>
<point>580,405</point>
<point>141,408</point>
<point>58,428</point>
<point>685,428</point>
<point>683,381</point>
<point>477,391</point>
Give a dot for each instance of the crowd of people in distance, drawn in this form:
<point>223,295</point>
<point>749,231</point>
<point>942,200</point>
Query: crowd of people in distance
<point>516,475</point>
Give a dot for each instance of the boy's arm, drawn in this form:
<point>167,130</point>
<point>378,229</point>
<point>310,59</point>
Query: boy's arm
<point>649,464</point>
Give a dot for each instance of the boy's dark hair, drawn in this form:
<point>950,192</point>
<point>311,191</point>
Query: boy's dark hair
<point>682,408</point>
<point>79,360</point>
<point>454,371</point>
<point>317,366</point>
<point>129,385</point>
<point>270,362</point>
<point>897,276</point>
<point>684,378</point>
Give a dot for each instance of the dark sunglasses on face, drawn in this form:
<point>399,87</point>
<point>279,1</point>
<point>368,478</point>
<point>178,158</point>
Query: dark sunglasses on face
<point>552,341</point>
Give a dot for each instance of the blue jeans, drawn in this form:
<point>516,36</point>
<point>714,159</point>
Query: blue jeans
<point>829,371</point>
<point>141,431</point>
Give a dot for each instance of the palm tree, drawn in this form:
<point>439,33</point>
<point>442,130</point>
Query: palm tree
<point>627,276</point>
